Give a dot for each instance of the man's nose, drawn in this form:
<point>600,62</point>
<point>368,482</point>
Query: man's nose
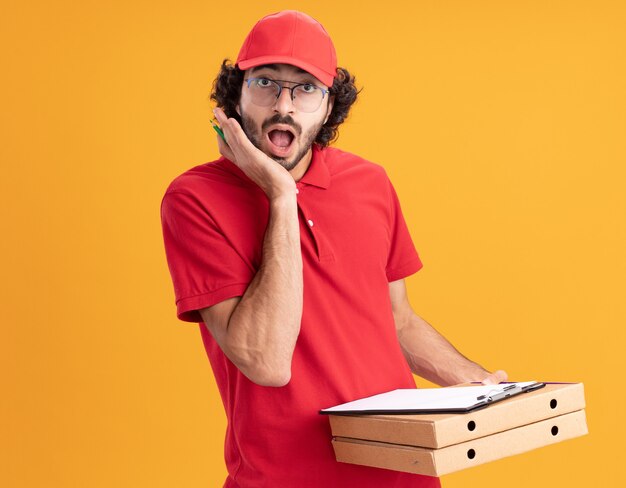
<point>284,104</point>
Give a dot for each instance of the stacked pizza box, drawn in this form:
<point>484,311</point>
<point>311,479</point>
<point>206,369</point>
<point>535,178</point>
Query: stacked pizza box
<point>438,444</point>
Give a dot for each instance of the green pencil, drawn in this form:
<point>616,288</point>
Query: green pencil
<point>218,129</point>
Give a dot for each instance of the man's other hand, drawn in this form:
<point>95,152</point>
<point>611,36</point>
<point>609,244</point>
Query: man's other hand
<point>495,378</point>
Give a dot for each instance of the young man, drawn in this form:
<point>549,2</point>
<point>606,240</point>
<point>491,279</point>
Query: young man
<point>291,256</point>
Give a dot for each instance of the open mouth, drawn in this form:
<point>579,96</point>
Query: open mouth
<point>281,141</point>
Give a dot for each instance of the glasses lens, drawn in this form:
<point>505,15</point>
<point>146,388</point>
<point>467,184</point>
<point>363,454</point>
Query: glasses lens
<point>307,98</point>
<point>263,91</point>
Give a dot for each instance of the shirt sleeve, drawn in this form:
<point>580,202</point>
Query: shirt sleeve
<point>204,267</point>
<point>403,259</point>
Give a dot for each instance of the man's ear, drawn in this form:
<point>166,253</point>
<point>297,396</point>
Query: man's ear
<point>331,102</point>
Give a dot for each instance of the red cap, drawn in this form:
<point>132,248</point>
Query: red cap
<point>290,37</point>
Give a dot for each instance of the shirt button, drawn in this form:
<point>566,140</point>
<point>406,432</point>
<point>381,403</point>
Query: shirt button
<point>297,191</point>
<point>310,223</point>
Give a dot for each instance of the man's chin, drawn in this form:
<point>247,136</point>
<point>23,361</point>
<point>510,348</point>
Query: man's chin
<point>284,162</point>
<point>287,162</point>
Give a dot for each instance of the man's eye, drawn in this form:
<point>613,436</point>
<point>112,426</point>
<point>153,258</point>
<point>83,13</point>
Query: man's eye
<point>308,88</point>
<point>264,82</point>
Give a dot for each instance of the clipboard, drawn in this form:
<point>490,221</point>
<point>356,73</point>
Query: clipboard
<point>461,399</point>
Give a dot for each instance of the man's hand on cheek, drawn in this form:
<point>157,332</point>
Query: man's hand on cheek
<point>273,179</point>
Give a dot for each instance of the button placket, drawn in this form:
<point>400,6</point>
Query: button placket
<point>323,250</point>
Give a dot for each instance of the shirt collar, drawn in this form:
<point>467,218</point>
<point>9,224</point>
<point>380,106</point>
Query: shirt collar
<point>317,173</point>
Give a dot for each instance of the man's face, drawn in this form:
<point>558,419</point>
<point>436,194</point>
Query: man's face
<point>280,130</point>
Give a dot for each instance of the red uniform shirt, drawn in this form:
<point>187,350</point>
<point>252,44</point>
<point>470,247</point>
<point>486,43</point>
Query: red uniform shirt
<point>354,242</point>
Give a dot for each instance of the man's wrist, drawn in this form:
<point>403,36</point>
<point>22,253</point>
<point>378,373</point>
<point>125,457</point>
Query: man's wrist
<point>283,198</point>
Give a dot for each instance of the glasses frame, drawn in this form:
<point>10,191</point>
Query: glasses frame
<point>291,89</point>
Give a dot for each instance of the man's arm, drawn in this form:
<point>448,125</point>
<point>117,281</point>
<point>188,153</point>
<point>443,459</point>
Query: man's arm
<point>429,354</point>
<point>258,331</point>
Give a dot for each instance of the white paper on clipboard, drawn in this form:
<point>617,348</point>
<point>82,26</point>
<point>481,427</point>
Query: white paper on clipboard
<point>433,400</point>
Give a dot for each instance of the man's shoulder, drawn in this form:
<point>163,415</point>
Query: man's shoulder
<point>341,162</point>
<point>207,177</point>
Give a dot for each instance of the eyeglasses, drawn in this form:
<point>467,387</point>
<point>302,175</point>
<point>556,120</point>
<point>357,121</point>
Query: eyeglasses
<point>306,97</point>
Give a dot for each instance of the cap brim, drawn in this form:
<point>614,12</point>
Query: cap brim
<point>323,76</point>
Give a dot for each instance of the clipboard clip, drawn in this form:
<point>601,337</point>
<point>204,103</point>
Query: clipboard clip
<point>507,391</point>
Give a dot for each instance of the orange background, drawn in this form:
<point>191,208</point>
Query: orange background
<point>501,124</point>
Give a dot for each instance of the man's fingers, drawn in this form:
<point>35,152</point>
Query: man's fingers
<point>230,146</point>
<point>495,378</point>
<point>220,115</point>
<point>234,134</point>
<point>224,149</point>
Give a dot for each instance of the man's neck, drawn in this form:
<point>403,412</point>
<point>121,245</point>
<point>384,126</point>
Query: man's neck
<point>301,168</point>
